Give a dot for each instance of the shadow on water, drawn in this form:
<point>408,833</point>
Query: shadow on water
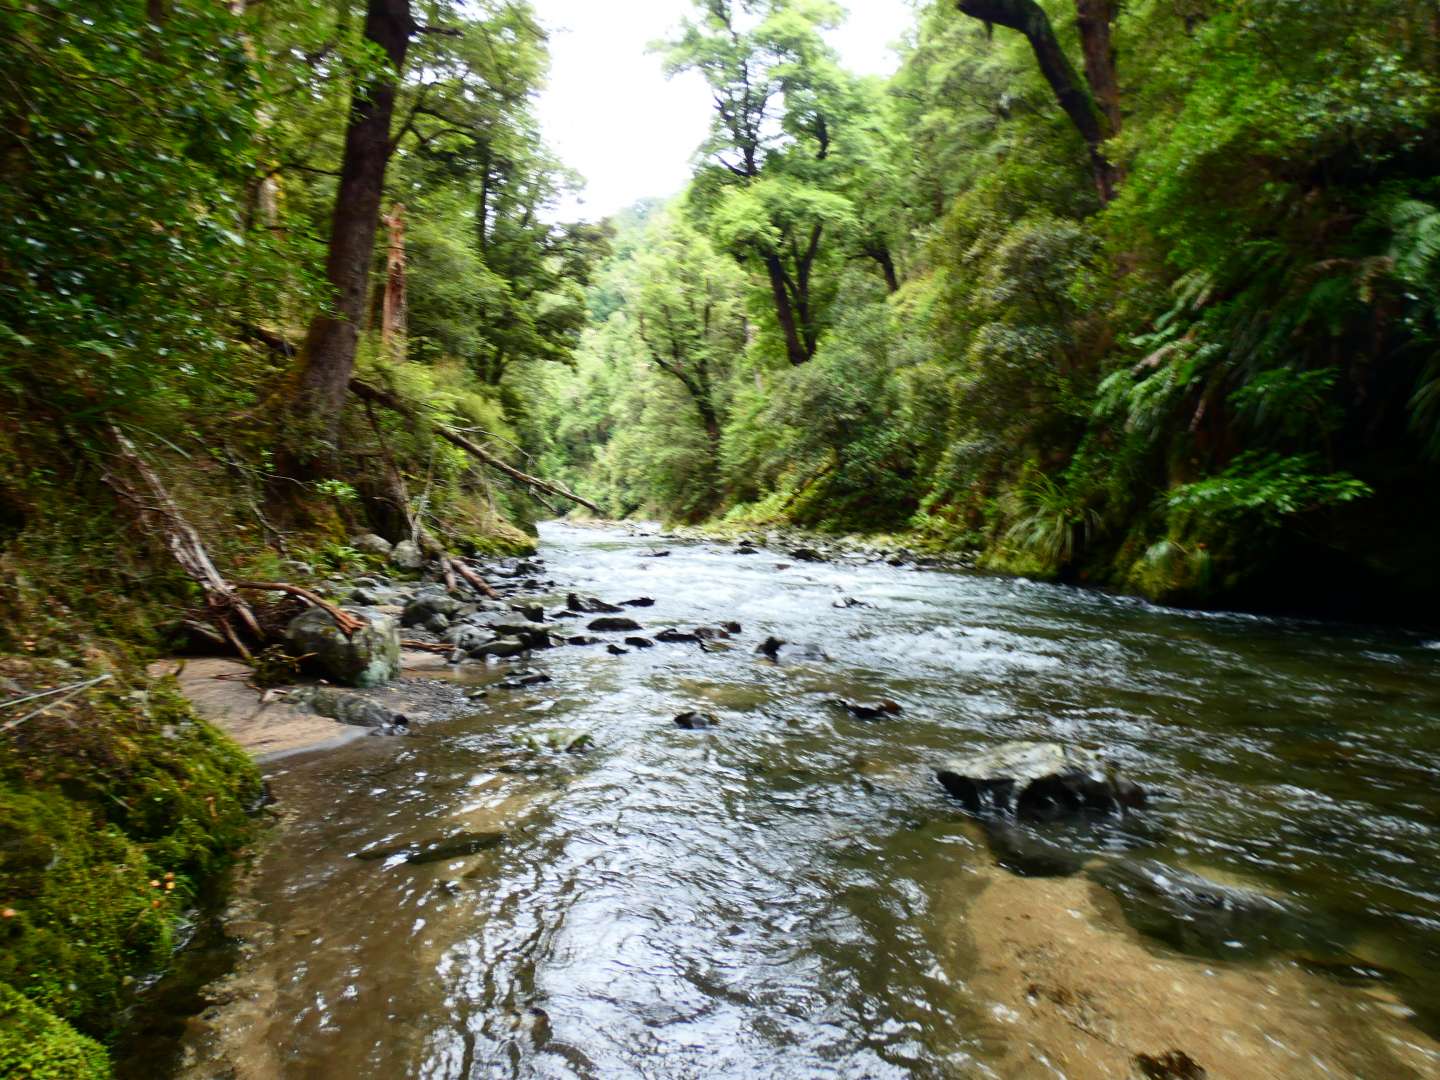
<point>778,896</point>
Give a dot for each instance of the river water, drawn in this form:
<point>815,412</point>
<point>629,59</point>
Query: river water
<point>786,895</point>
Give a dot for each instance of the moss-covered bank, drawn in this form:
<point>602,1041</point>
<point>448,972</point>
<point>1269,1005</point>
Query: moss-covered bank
<point>115,808</point>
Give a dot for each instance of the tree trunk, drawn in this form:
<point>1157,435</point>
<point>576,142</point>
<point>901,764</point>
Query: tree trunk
<point>1029,18</point>
<point>328,357</point>
<point>1092,20</point>
<point>784,312</point>
<point>392,323</point>
<point>887,266</point>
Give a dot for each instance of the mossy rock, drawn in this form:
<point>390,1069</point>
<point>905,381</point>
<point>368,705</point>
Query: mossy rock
<point>109,825</point>
<point>37,1045</point>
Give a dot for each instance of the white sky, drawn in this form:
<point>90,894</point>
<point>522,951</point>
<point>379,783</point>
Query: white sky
<point>610,113</point>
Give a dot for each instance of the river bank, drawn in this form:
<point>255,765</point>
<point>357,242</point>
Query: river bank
<point>792,886</point>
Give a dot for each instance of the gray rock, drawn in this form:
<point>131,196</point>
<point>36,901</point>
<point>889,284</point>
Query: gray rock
<point>614,625</point>
<point>436,623</point>
<point>533,612</point>
<point>425,605</point>
<point>465,638</point>
<point>366,597</point>
<point>501,648</point>
<point>371,544</point>
<point>1038,782</point>
<point>369,657</point>
<point>348,708</point>
<point>407,555</point>
<point>298,568</point>
<point>590,604</point>
<point>640,642</point>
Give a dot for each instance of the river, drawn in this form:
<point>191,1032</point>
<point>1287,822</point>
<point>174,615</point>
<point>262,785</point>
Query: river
<point>791,894</point>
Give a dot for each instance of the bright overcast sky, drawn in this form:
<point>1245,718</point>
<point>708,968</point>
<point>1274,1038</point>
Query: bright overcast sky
<point>610,113</point>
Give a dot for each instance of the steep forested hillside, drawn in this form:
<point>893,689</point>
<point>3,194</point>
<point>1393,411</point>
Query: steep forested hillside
<point>1138,294</point>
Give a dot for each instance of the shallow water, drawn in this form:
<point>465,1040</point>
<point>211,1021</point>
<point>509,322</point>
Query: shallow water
<point>773,898</point>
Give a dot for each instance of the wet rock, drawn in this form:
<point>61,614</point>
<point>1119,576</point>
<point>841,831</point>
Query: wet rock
<point>639,601</point>
<point>366,597</point>
<point>771,647</point>
<point>435,850</point>
<point>710,633</point>
<point>747,549</point>
<point>732,628</point>
<point>520,682</point>
<point>696,721</point>
<point>436,624</point>
<point>1038,782</point>
<point>673,636</point>
<point>501,648</point>
<point>369,657</point>
<point>590,605</point>
<point>584,639</point>
<point>407,555</point>
<point>614,625</point>
<point>640,642</point>
<point>805,554</point>
<point>807,651</point>
<point>868,710</point>
<point>657,554</point>
<point>533,612</point>
<point>616,650</point>
<point>371,544</point>
<point>849,602</point>
<point>347,708</point>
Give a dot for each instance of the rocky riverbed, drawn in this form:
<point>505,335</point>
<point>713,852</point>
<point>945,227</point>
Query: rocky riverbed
<point>668,806</point>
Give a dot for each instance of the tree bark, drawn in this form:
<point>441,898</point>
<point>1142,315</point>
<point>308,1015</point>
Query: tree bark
<point>1092,20</point>
<point>784,312</point>
<point>328,357</point>
<point>392,323</point>
<point>1073,95</point>
<point>887,266</point>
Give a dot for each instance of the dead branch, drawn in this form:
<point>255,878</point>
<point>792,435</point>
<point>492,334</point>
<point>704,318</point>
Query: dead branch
<point>347,622</point>
<point>365,392</point>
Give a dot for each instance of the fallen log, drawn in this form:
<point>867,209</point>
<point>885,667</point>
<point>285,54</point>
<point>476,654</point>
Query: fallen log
<point>365,392</point>
<point>347,622</point>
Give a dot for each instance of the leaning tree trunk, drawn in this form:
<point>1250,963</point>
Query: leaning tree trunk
<point>328,357</point>
<point>785,311</point>
<point>1073,94</point>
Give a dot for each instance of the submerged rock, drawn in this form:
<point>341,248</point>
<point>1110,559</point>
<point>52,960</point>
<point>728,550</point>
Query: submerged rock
<point>771,647</point>
<point>670,634</point>
<point>567,740</point>
<point>427,851</point>
<point>639,601</point>
<point>1038,782</point>
<point>369,657</point>
<point>868,710</point>
<point>640,642</point>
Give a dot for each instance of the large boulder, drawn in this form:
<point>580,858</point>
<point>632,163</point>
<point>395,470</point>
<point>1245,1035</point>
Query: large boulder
<point>369,657</point>
<point>407,556</point>
<point>1038,782</point>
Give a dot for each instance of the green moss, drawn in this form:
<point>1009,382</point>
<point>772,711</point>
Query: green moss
<point>34,1045</point>
<point>111,819</point>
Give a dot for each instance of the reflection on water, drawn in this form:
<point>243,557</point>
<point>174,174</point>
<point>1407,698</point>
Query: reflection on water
<point>786,895</point>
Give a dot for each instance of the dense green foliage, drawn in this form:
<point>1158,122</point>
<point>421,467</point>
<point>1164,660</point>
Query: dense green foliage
<point>1218,383</point>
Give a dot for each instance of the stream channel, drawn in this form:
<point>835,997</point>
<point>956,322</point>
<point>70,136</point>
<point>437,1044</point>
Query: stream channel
<point>792,894</point>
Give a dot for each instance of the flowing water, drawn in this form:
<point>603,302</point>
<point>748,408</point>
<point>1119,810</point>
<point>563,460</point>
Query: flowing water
<point>785,895</point>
